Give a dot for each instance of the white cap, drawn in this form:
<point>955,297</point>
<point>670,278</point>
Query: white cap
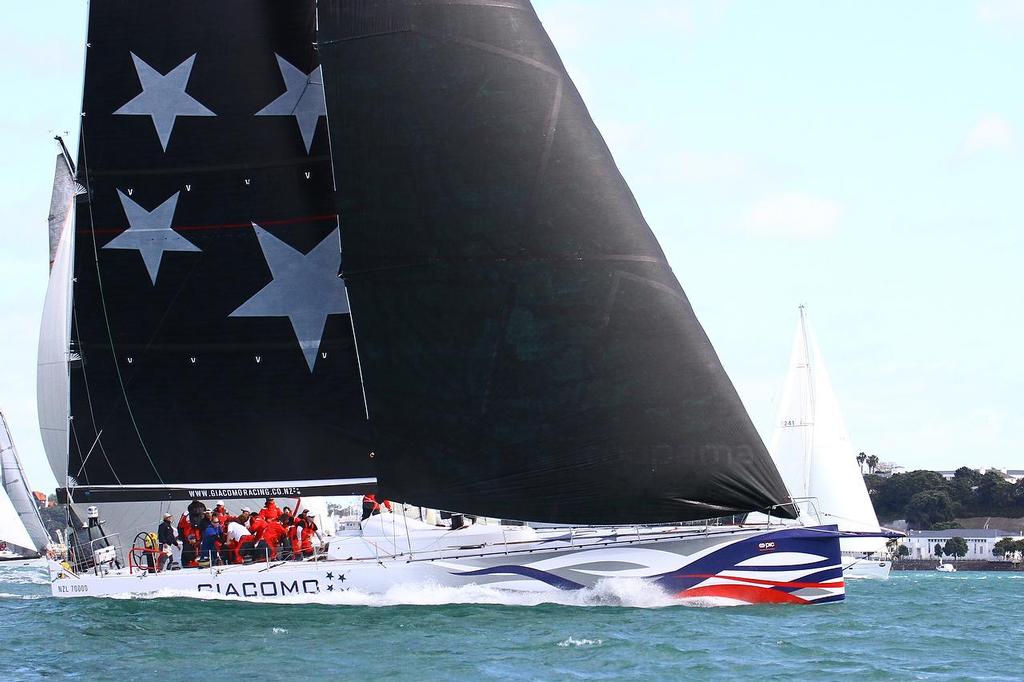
<point>219,504</point>
<point>247,510</point>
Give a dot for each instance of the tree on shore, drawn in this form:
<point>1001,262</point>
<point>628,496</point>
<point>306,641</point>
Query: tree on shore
<point>956,547</point>
<point>872,461</point>
<point>970,492</point>
<point>928,508</point>
<point>1004,547</point>
<point>861,458</point>
<point>938,550</point>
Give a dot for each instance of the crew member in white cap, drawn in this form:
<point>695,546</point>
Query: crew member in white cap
<point>170,549</point>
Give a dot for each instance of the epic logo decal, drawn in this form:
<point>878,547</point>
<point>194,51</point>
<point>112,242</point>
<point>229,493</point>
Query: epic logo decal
<point>263,589</point>
<point>766,546</point>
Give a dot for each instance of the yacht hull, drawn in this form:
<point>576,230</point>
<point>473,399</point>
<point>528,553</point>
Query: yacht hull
<point>732,566</point>
<point>865,567</point>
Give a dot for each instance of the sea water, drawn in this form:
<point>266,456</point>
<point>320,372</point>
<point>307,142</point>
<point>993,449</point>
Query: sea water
<point>919,625</point>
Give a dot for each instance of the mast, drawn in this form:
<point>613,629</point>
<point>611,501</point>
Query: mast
<point>807,416</point>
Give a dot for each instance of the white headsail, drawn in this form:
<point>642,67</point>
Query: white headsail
<point>18,491</point>
<point>52,382</point>
<point>812,448</point>
<point>13,536</point>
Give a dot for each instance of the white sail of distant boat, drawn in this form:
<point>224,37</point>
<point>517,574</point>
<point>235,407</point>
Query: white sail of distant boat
<point>15,542</point>
<point>812,448</point>
<point>19,493</point>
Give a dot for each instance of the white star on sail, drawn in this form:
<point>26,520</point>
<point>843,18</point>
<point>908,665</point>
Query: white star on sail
<point>303,99</point>
<point>305,288</point>
<point>150,233</point>
<point>163,97</point>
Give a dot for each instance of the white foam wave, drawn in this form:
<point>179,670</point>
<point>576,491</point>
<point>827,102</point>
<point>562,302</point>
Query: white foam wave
<point>10,595</point>
<point>572,641</point>
<point>28,573</point>
<point>279,631</point>
<point>624,592</point>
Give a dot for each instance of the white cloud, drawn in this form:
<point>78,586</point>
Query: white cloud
<point>991,133</point>
<point>1002,13</point>
<point>794,215</point>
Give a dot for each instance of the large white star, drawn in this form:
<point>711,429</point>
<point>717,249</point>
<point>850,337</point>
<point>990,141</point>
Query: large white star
<point>163,97</point>
<point>150,233</point>
<point>305,288</point>
<point>303,99</point>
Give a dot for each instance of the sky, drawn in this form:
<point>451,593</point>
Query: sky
<point>864,158</point>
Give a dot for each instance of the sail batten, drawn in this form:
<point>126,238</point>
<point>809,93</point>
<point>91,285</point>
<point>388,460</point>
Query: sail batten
<point>526,350</point>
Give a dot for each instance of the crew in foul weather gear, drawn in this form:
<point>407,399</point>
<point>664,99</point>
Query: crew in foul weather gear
<point>371,506</point>
<point>240,542</point>
<point>270,539</point>
<point>270,512</point>
<point>189,545</point>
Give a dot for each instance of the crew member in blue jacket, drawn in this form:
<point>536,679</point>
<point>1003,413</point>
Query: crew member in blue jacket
<point>209,550</point>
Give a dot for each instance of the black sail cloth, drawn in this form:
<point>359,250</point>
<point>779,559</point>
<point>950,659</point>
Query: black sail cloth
<point>526,350</point>
<point>214,351</point>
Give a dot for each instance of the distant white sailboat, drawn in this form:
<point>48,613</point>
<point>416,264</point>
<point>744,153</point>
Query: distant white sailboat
<point>812,449</point>
<point>15,542</point>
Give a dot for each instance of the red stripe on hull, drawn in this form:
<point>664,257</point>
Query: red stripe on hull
<point>744,593</point>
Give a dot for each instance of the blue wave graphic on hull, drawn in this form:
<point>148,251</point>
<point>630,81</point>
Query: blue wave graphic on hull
<point>527,572</point>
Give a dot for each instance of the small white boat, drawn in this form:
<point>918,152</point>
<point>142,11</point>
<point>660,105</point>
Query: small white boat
<point>945,568</point>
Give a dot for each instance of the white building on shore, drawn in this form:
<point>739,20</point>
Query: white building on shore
<point>980,542</point>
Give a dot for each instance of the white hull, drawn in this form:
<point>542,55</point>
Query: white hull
<point>736,565</point>
<point>866,567</point>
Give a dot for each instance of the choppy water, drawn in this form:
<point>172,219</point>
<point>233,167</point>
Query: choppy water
<point>915,626</point>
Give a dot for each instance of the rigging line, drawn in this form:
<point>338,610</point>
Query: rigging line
<point>89,454</point>
<point>341,233</point>
<point>167,311</point>
<point>106,316</point>
<point>78,446</point>
<point>88,400</point>
<point>408,540</point>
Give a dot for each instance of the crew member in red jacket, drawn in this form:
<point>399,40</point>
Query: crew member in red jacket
<point>270,512</point>
<point>300,534</point>
<point>269,539</point>
<point>371,506</point>
<point>189,543</point>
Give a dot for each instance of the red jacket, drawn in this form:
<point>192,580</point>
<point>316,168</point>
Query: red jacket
<point>270,512</point>
<point>273,533</point>
<point>256,526</point>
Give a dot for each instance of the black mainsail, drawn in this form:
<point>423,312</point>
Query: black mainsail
<point>526,350</point>
<point>216,346</point>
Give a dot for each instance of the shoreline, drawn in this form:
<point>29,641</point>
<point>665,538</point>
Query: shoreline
<point>961,565</point>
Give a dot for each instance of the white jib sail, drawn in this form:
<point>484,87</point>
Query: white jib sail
<point>52,380</point>
<point>13,535</point>
<point>12,474</point>
<point>812,449</point>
